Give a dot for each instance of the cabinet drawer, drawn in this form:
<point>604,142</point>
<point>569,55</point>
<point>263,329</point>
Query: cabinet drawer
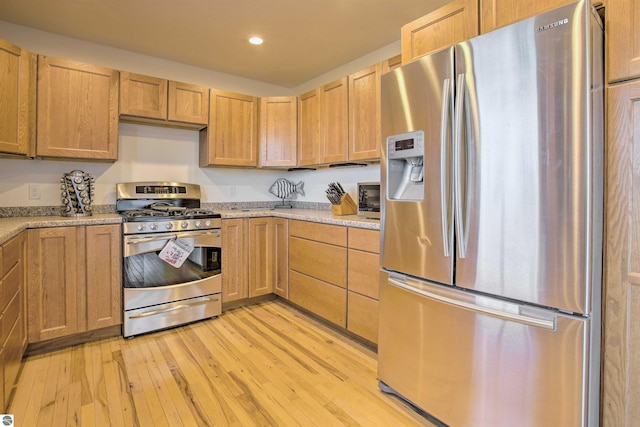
<point>362,318</point>
<point>11,358</point>
<point>333,234</point>
<point>11,283</point>
<point>11,254</point>
<point>363,273</point>
<point>323,299</point>
<point>365,240</point>
<point>320,260</point>
<point>9,317</point>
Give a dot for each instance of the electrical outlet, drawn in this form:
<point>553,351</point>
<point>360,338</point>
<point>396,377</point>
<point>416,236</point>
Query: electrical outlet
<point>34,192</point>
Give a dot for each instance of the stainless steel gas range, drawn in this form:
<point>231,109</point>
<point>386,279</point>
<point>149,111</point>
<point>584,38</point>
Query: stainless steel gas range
<point>160,293</point>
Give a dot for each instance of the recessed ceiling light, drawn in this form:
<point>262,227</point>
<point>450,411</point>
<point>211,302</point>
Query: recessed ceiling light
<point>255,40</point>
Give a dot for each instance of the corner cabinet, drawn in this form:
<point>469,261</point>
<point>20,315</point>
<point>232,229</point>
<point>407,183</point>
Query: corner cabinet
<point>77,111</point>
<point>231,138</point>
<point>278,131</point>
<point>17,95</point>
<point>446,26</point>
<point>498,13</point>
<point>152,100</point>
<point>74,280</point>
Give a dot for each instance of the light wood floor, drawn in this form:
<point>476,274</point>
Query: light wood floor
<point>262,365</point>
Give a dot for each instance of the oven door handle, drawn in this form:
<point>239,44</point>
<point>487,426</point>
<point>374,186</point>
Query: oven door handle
<point>170,309</point>
<point>134,240</point>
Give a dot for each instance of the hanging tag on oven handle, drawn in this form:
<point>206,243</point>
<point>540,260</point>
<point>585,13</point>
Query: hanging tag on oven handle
<point>176,252</point>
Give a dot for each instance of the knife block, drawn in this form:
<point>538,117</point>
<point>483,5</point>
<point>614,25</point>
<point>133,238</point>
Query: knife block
<point>346,207</point>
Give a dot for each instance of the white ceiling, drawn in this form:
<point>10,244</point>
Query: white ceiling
<point>303,38</point>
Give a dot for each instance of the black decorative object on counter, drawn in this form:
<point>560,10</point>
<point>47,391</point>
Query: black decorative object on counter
<point>77,191</point>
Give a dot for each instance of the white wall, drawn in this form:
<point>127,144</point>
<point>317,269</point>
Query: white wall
<point>154,153</point>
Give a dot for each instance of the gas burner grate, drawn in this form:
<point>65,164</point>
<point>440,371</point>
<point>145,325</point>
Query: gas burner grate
<point>198,211</point>
<point>145,213</point>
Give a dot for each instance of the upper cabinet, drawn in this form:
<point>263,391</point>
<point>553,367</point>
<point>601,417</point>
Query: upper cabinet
<point>231,138</point>
<point>334,104</point>
<point>309,128</point>
<point>498,13</point>
<point>77,110</point>
<point>278,131</point>
<point>452,23</point>
<point>391,63</point>
<point>623,40</point>
<point>17,100</point>
<point>163,101</point>
<point>364,114</point>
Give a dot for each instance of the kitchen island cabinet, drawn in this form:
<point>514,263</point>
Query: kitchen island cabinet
<point>232,136</point>
<point>164,102</point>
<point>77,112</point>
<point>17,97</point>
<point>74,280</point>
<point>13,326</point>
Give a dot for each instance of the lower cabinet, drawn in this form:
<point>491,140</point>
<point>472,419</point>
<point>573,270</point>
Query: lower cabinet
<point>254,260</point>
<point>13,326</point>
<point>74,280</point>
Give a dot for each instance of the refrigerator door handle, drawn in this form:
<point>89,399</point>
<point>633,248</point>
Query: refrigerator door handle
<point>457,168</point>
<point>444,175</point>
<point>549,324</point>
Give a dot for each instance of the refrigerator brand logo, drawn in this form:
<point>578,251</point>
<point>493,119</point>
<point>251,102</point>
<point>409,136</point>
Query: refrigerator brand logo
<point>553,24</point>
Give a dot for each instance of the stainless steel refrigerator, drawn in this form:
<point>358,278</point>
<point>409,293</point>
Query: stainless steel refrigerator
<point>492,176</point>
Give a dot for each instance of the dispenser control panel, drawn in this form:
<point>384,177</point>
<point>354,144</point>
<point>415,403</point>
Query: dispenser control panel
<point>410,144</point>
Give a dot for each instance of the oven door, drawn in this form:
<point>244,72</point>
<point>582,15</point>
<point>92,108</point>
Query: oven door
<point>149,281</point>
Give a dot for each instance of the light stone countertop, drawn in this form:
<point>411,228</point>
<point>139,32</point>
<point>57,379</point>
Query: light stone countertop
<point>11,227</point>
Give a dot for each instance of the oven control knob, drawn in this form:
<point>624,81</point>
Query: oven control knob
<point>153,226</point>
<point>198,223</point>
<point>184,224</point>
<point>169,226</point>
<point>140,227</point>
<point>207,223</point>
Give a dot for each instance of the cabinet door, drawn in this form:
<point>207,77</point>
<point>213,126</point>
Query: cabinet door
<point>235,271</point>
<point>391,63</point>
<point>309,128</point>
<point>261,251</point>
<point>364,114</point>
<point>77,110</point>
<point>452,23</point>
<point>620,396</point>
<point>281,257</point>
<point>334,118</point>
<point>104,276</point>
<point>56,260</point>
<point>143,96</point>
<point>278,131</point>
<point>623,39</point>
<point>231,138</point>
<point>188,103</point>
<point>498,13</point>
<point>16,100</point>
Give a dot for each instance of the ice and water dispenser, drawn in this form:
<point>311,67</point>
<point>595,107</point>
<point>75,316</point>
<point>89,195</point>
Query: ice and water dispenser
<point>405,167</point>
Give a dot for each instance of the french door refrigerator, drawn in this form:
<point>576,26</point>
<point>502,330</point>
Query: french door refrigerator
<point>491,247</point>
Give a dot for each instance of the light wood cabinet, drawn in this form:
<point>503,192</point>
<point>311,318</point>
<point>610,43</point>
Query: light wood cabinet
<point>363,282</point>
<point>77,112</point>
<point>364,113</point>
<point>498,13</point>
<point>255,258</point>
<point>446,26</point>
<point>13,326</point>
<point>309,128</point>
<point>74,280</point>
<point>334,105</point>
<point>278,131</point>
<point>231,138</point>
<point>621,299</point>
<point>17,100</point>
<point>318,269</point>
<point>391,63</point>
<point>622,40</point>
<point>235,260</point>
<point>165,102</point>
